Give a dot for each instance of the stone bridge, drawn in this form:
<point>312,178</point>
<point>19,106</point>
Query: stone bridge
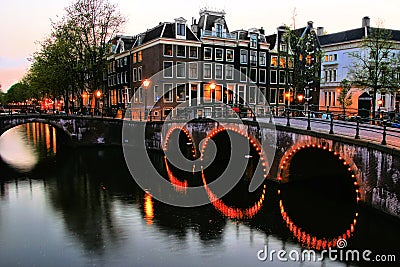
<point>374,167</point>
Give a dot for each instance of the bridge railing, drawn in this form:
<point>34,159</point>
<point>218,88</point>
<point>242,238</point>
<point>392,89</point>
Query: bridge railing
<point>377,129</point>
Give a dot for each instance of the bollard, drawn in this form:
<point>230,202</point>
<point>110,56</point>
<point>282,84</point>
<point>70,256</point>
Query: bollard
<point>357,128</point>
<point>331,129</point>
<point>384,133</point>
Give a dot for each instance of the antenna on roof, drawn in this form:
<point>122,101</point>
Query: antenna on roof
<point>294,14</point>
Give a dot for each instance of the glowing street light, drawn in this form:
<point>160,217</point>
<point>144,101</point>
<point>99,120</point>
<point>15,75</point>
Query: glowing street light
<point>145,84</point>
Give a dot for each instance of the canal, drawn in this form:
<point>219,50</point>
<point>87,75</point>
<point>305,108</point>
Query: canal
<point>81,207</point>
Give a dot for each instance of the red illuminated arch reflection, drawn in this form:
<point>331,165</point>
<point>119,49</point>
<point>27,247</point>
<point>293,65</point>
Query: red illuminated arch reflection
<point>233,212</point>
<point>179,186</point>
<point>302,236</point>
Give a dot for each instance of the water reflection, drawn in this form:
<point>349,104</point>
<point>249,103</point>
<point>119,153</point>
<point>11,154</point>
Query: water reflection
<point>85,209</point>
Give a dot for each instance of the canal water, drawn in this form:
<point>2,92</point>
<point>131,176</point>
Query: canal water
<point>61,207</point>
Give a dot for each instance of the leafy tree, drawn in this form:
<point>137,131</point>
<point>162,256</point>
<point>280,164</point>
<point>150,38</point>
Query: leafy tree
<point>18,92</point>
<point>345,96</point>
<point>306,55</point>
<point>372,68</point>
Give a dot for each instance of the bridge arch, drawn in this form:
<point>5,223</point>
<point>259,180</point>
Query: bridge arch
<point>64,136</point>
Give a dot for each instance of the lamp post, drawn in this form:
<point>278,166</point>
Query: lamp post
<point>146,84</point>
<point>98,95</point>
<point>380,102</point>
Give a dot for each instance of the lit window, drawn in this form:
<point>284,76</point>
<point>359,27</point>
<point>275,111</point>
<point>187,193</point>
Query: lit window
<point>140,56</point>
<point>168,50</point>
<point>274,61</point>
<point>219,54</point>
<point>207,53</point>
<point>229,55</point>
<point>282,62</point>
<point>134,57</point>
<point>290,63</point>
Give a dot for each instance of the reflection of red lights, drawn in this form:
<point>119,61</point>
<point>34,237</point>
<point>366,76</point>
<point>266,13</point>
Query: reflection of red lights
<point>178,185</point>
<point>186,132</point>
<point>231,212</point>
<point>148,208</point>
<point>302,236</point>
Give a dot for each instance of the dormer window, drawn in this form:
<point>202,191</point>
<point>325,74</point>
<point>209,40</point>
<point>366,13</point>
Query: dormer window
<point>218,30</point>
<point>180,28</point>
<point>253,41</point>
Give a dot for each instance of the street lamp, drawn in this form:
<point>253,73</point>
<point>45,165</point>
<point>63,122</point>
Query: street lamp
<point>145,84</point>
<point>380,102</point>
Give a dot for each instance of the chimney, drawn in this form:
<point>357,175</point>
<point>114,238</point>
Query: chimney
<point>366,21</point>
<point>310,23</point>
<point>262,31</point>
<point>320,31</point>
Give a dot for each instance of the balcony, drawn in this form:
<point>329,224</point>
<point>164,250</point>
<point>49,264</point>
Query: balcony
<point>218,35</point>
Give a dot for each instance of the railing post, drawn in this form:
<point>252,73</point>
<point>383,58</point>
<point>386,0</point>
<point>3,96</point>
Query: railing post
<point>357,128</point>
<point>309,120</point>
<point>287,117</point>
<point>384,133</point>
<point>331,128</point>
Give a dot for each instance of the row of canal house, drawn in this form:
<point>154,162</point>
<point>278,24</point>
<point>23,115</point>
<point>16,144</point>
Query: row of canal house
<point>207,63</point>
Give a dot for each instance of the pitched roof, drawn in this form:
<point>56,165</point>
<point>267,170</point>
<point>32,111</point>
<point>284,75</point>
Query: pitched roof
<point>352,35</point>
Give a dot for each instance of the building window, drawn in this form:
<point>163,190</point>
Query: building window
<point>180,69</point>
<point>139,73</point>
<point>243,56</point>
<point>157,94</point>
<point>207,71</point>
<point>134,74</point>
<point>229,55</point>
<point>241,93</point>
<point>125,61</point>
<point>263,59</point>
<point>207,93</point>
<point>118,78</point>
<point>229,72</point>
<point>207,53</point>
<point>219,54</point>
<point>193,70</point>
<point>167,93</point>
<point>168,73</point>
<point>253,58</point>
<point>252,94</point>
<point>219,71</point>
<point>253,75</point>
<point>290,78</point>
<point>281,96</point>
<point>261,95</point>
<point>140,56</point>
<point>282,78</point>
<point>263,76</point>
<point>181,51</point>
<point>168,51</point>
<point>253,41</point>
<point>243,74</point>
<point>282,62</point>
<point>134,57</point>
<point>283,47</point>
<point>218,30</point>
<point>192,52</point>
<point>290,63</point>
<point>125,77</point>
<point>274,61</point>
<point>274,77</point>
<point>180,92</point>
<point>180,29</point>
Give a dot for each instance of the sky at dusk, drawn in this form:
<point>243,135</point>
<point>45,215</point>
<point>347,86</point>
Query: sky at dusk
<point>24,22</point>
